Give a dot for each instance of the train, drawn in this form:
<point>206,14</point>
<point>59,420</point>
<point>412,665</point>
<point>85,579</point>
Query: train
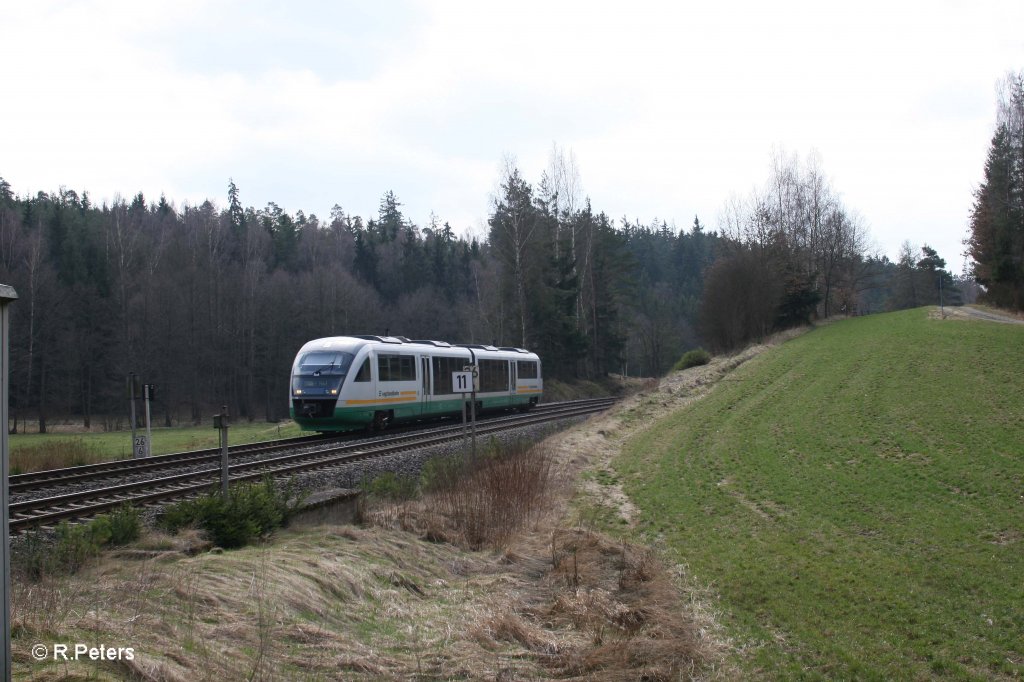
<point>345,383</point>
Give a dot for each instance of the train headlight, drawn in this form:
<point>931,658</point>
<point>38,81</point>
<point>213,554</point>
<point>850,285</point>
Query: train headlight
<point>334,391</point>
<point>298,391</point>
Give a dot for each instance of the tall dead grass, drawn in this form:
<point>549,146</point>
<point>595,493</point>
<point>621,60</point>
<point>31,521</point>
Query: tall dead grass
<point>54,455</point>
<point>475,504</point>
<point>488,500</point>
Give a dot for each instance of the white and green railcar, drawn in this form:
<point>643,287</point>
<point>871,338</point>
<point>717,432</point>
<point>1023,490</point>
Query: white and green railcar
<point>343,383</point>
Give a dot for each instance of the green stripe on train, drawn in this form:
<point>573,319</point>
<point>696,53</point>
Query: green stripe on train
<point>349,418</point>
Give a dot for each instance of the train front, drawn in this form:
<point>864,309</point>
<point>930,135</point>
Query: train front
<point>318,375</point>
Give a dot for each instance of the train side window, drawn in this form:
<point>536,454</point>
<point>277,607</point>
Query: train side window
<point>396,367</point>
<point>364,371</point>
<point>384,367</point>
<point>493,375</point>
<point>407,368</point>
<point>443,368</point>
<point>526,369</point>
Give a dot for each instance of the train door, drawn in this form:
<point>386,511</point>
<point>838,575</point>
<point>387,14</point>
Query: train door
<point>425,392</point>
<point>512,386</point>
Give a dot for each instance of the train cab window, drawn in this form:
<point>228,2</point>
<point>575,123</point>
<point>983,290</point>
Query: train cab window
<point>526,369</point>
<point>364,371</point>
<point>317,363</point>
<point>392,367</point>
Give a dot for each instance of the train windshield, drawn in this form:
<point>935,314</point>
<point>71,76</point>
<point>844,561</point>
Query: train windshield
<point>323,362</point>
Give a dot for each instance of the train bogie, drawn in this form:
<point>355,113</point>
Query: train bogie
<point>346,382</point>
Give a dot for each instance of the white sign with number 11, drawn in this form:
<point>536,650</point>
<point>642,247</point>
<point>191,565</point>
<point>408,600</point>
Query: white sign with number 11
<point>462,382</point>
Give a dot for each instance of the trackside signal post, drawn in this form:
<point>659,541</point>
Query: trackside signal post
<point>147,398</point>
<point>7,296</point>
<point>220,422</point>
<point>138,448</point>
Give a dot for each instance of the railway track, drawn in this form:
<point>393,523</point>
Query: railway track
<point>104,471</point>
<point>45,511</point>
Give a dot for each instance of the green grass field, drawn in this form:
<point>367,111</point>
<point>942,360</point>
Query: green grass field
<point>856,498</point>
<point>32,452</point>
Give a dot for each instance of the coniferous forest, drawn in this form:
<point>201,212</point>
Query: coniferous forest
<point>210,302</point>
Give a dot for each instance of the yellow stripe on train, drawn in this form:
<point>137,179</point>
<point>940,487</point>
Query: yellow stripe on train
<point>381,401</point>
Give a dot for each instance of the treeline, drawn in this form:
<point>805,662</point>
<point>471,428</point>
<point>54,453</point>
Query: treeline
<point>996,241</point>
<point>793,251</point>
<point>211,304</point>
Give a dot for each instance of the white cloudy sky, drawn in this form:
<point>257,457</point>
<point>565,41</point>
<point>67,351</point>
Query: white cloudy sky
<point>669,108</point>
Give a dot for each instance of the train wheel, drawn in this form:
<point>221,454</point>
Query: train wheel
<point>380,420</point>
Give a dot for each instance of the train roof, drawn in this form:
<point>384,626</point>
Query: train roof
<point>358,340</point>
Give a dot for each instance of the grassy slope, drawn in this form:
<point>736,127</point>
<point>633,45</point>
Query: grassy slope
<point>856,496</point>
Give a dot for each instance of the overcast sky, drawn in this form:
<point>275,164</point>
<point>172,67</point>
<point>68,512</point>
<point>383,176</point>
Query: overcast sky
<point>669,108</point>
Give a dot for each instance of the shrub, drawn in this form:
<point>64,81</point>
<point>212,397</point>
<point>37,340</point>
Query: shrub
<point>389,486</point>
<point>692,358</point>
<point>77,543</point>
<point>125,525</point>
<point>249,512</point>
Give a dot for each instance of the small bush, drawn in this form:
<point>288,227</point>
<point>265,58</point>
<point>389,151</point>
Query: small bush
<point>77,543</point>
<point>125,525</point>
<point>692,358</point>
<point>439,472</point>
<point>249,512</point>
<point>388,486</point>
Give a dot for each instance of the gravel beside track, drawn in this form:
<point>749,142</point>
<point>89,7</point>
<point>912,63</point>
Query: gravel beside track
<point>343,474</point>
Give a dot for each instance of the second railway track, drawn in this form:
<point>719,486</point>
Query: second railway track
<point>122,468</point>
<point>49,509</point>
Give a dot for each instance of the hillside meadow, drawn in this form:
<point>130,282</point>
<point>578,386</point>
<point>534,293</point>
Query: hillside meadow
<point>855,498</point>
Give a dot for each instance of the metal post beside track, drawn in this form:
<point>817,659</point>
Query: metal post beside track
<point>131,399</point>
<point>472,421</point>
<point>148,396</point>
<point>220,421</point>
<point>462,383</point>
<point>7,295</point>
<point>465,432</point>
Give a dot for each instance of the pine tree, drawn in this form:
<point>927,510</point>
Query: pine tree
<point>996,242</point>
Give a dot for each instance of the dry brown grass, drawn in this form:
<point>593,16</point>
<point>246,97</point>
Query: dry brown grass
<point>624,599</point>
<point>579,606</point>
<point>474,504</point>
<point>54,454</point>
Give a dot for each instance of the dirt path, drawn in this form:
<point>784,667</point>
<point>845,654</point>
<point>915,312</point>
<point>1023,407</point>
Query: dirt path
<point>969,312</point>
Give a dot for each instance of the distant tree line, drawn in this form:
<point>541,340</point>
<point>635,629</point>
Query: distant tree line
<point>996,241</point>
<point>793,251</point>
<point>211,304</point>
